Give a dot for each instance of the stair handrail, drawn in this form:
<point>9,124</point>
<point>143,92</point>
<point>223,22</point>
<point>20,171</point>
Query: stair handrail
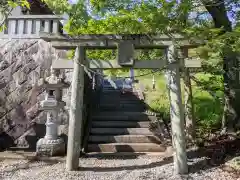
<point>91,103</point>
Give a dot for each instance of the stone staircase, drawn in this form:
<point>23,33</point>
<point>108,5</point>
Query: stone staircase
<point>121,125</point>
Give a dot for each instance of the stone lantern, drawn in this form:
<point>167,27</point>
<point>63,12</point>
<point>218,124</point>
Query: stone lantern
<point>52,144</point>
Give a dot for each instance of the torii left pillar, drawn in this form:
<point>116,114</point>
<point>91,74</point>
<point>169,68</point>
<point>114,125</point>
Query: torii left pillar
<point>76,111</point>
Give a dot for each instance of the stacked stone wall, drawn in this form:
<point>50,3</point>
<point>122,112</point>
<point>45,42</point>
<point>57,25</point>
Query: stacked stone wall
<point>23,66</point>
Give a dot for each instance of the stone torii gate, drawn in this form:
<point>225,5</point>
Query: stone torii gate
<point>125,44</point>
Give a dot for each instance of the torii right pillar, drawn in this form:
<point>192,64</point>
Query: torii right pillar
<point>176,113</point>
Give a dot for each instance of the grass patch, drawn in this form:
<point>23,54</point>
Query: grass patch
<point>208,109</point>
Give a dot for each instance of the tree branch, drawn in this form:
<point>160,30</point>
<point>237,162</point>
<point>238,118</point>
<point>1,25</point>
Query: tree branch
<point>5,17</point>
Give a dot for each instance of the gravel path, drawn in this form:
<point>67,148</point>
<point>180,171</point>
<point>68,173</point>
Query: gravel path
<point>140,168</point>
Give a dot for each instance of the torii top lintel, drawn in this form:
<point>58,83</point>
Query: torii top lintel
<point>109,41</point>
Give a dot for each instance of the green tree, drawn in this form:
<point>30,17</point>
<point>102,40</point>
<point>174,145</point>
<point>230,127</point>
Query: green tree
<point>210,22</point>
<point>203,19</point>
<point>160,16</point>
<point>229,53</point>
<point>6,6</point>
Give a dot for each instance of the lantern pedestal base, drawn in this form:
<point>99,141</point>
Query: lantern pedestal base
<point>50,147</point>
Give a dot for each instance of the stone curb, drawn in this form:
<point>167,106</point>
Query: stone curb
<point>18,155</point>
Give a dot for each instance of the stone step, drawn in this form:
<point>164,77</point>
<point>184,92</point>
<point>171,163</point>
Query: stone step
<point>115,99</point>
<point>122,104</point>
<point>122,107</point>
<point>129,155</point>
<point>110,98</point>
<point>121,100</point>
<point>119,89</point>
<point>120,131</point>
<point>126,147</point>
<point>121,110</point>
<point>108,93</point>
<point>111,89</point>
<point>123,116</point>
<point>119,92</point>
<point>119,97</point>
<point>124,139</point>
<point>120,124</point>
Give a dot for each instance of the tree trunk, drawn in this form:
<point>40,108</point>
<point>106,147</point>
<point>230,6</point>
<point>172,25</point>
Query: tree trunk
<point>217,10</point>
<point>189,116</point>
<point>189,108</point>
<point>190,121</point>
